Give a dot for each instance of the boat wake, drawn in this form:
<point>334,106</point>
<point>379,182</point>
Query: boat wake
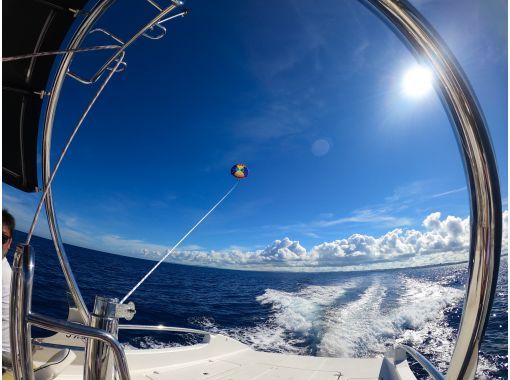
<point>358,319</point>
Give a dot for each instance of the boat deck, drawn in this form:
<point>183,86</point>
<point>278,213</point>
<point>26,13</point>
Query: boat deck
<point>260,365</point>
<point>221,357</point>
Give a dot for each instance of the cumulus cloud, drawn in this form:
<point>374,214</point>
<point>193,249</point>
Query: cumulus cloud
<point>442,240</point>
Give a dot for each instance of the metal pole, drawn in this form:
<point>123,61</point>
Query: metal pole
<point>96,12</point>
<point>56,325</point>
<point>423,361</point>
<point>128,43</point>
<point>481,170</point>
<point>20,304</point>
<point>76,41</point>
<point>99,364</point>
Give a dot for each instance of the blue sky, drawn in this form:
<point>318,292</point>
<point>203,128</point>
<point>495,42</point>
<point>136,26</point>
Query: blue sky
<point>309,96</point>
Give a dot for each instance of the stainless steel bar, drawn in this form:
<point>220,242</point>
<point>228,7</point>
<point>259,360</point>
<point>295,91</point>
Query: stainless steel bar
<point>182,14</point>
<point>99,363</point>
<point>109,34</point>
<point>47,24</point>
<point>480,165</point>
<point>155,5</point>
<point>37,343</point>
<point>60,52</point>
<point>158,36</point>
<point>163,328</point>
<point>20,304</point>
<point>151,23</point>
<point>86,81</point>
<point>422,360</point>
<point>97,11</point>
<point>82,31</point>
<point>56,325</point>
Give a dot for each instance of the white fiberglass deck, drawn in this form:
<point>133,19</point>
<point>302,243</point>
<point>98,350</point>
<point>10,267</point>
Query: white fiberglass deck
<point>225,358</point>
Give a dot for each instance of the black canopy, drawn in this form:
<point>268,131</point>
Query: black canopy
<point>28,26</point>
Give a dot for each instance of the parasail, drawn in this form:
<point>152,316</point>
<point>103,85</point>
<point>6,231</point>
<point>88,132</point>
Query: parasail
<point>239,171</point>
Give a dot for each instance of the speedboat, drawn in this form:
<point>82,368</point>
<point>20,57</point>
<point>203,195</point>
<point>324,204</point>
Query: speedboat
<point>86,344</point>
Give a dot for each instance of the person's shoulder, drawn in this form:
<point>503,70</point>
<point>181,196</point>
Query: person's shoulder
<point>6,274</point>
<point>5,264</point>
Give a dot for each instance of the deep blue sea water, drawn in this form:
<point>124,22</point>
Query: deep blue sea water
<point>356,314</point>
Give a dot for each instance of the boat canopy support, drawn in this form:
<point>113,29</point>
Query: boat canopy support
<point>474,142</point>
<point>84,29</point>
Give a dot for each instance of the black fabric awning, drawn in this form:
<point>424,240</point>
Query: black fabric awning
<point>28,26</point>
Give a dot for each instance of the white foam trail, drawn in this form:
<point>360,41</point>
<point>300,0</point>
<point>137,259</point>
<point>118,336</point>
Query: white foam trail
<point>423,300</point>
<point>433,336</point>
<point>147,342</point>
<point>263,337</point>
<point>356,329</point>
<point>367,326</point>
<point>296,318</point>
<point>299,312</point>
<point>423,312</point>
<point>316,320</point>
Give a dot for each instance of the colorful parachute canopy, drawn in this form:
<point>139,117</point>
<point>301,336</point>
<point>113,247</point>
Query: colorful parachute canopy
<point>239,171</point>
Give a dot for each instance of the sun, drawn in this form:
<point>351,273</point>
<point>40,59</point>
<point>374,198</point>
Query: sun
<point>417,81</point>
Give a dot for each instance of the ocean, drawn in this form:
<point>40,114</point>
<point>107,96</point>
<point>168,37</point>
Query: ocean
<point>354,314</point>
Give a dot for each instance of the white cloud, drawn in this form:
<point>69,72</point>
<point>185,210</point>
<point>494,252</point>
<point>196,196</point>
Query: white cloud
<point>367,216</point>
<point>23,207</point>
<point>117,244</point>
<point>460,189</point>
<point>442,241</point>
<point>449,237</point>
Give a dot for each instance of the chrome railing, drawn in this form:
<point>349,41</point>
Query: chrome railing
<point>124,45</point>
<point>163,328</point>
<point>96,12</point>
<point>20,306</point>
<point>63,71</point>
<point>482,176</point>
<point>22,318</point>
<point>422,361</point>
<point>38,342</point>
<point>56,325</point>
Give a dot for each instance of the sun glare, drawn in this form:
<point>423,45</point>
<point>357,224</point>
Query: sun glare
<point>417,81</point>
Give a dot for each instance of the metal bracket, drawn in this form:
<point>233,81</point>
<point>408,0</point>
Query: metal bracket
<point>42,94</point>
<point>78,12</point>
<point>142,32</point>
<point>158,36</point>
<point>126,311</point>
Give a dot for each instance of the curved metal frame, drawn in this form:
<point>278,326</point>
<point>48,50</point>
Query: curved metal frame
<point>22,318</point>
<point>126,44</point>
<point>474,143</point>
<point>178,330</point>
<point>163,328</point>
<point>481,170</point>
<point>422,361</point>
<point>56,325</point>
<point>78,37</point>
<point>20,305</point>
<point>63,71</point>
